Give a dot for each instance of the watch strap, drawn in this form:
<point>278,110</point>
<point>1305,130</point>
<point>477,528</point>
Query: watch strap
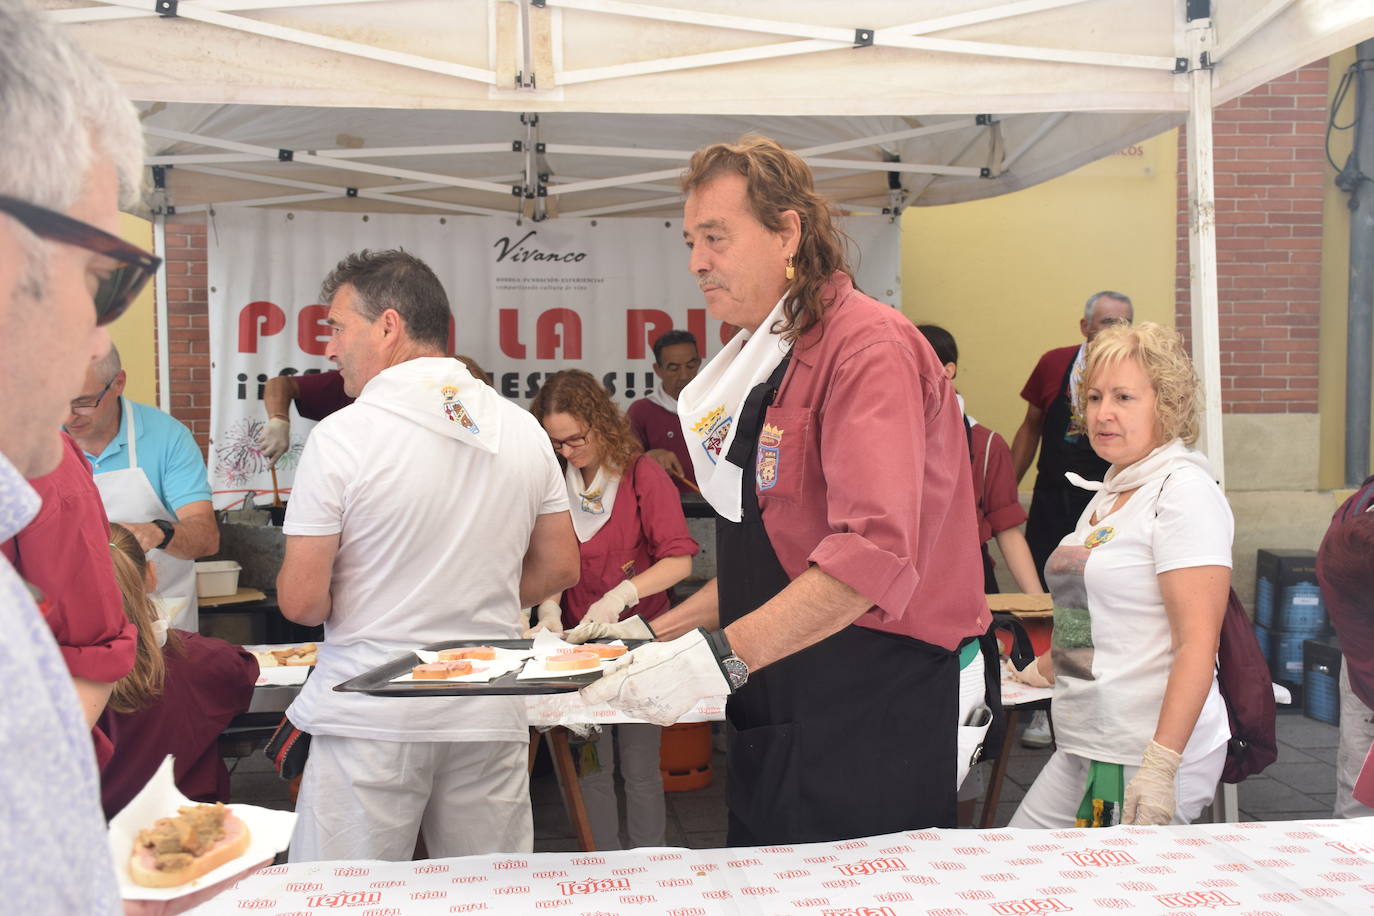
<point>168,531</point>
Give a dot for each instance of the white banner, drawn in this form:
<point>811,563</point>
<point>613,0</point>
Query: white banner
<point>527,300</point>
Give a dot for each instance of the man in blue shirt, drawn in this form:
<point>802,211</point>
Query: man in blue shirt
<point>151,478</point>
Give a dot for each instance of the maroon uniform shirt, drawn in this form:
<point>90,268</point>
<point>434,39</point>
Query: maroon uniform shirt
<point>872,481</point>
<point>1047,378</point>
<point>646,525</point>
<point>205,688</point>
<point>994,484</point>
<point>321,393</point>
<point>655,427</point>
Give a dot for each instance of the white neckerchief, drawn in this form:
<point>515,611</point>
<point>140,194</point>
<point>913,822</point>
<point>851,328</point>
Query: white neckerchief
<point>960,398</point>
<point>1163,460</point>
<point>710,404</point>
<point>591,504</point>
<point>663,399</point>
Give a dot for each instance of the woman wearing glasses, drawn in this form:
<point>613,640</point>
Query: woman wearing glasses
<point>634,546</point>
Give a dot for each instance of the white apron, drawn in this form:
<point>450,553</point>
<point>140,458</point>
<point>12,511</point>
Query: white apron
<point>128,496</point>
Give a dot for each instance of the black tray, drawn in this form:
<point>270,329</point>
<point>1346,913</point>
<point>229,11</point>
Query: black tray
<point>377,682</point>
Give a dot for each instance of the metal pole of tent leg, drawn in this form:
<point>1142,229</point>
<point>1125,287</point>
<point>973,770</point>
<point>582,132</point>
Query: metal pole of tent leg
<point>1361,295</point>
<point>1202,251</point>
<point>164,369</point>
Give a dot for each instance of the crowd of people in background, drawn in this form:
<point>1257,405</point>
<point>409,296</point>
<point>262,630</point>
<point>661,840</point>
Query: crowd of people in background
<point>855,499</point>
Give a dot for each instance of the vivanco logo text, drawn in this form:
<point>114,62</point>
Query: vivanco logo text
<point>1192,899</point>
<point>1031,905</point>
<point>593,886</point>
<point>1101,858</point>
<point>357,898</point>
<point>872,866</point>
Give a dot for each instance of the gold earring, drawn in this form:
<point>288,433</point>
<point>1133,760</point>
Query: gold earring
<point>791,271</point>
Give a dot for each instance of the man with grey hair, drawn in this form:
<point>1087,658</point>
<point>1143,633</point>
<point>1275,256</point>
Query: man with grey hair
<point>72,153</point>
<point>152,480</point>
<point>429,509</point>
<point>1051,426</point>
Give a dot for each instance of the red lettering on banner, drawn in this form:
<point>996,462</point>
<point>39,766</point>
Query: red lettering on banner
<point>593,886</point>
<point>970,851</point>
<point>861,911</point>
<point>896,850</point>
<point>643,327</point>
<point>629,871</point>
<point>431,869</point>
<point>995,837</point>
<point>1000,876</point>
<point>1339,876</point>
<point>1025,861</point>
<point>258,903</point>
<point>785,850</point>
<point>687,911</point>
<point>926,835</point>
<point>743,863</point>
<point>976,894</point>
<point>389,911</point>
<point>259,319</point>
<point>637,898</point>
<point>550,904</point>
<point>1156,869</point>
<point>468,907</point>
<point>1120,841</point>
<point>507,864</point>
<point>1191,841</point>
<point>758,891</point>
<point>312,333</point>
<point>301,887</point>
<point>357,898</point>
<point>544,875</point>
<point>381,884</point>
<point>1355,849</point>
<point>949,866</point>
<point>1142,886</point>
<point>820,860</point>
<point>1233,866</point>
<point>1101,858</point>
<point>1193,899</point>
<point>1044,847</point>
<point>589,860</point>
<point>351,871</point>
<point>469,879</point>
<point>703,867</point>
<point>1031,905</point>
<point>1297,850</point>
<point>872,867</point>
<point>271,870</point>
<point>1075,875</point>
<point>791,874</point>
<point>1057,890</point>
<point>674,882</point>
<point>555,328</point>
<point>1280,897</point>
<point>1322,892</point>
<point>666,857</point>
<point>946,911</point>
<point>1113,903</point>
<point>1302,835</point>
<point>851,844</point>
<point>1219,882</point>
<point>919,879</point>
<point>428,895</point>
<point>716,895</point>
<point>509,333</point>
<point>1228,838</point>
<point>811,901</point>
<point>839,883</point>
<point>1177,856</point>
<point>894,897</point>
<point>512,889</point>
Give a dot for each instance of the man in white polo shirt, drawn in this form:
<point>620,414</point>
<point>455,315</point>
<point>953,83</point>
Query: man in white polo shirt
<point>429,509</point>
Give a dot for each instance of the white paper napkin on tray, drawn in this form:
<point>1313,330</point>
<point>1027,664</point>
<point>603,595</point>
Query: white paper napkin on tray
<point>506,660</point>
<point>269,833</point>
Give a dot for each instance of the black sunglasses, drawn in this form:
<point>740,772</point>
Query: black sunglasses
<point>133,268</point>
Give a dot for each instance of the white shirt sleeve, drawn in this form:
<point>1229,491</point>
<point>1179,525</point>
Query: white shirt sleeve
<point>555,487</point>
<point>318,493</point>
<point>1193,525</point>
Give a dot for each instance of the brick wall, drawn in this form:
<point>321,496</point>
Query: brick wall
<point>188,329</point>
<point>1270,173</point>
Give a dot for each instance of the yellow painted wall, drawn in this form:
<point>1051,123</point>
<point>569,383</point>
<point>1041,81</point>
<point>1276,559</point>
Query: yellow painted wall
<point>1334,295</point>
<point>134,332</point>
<point>1008,276</point>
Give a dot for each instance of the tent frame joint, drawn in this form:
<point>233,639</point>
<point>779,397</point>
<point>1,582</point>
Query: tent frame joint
<point>863,38</point>
<point>350,192</point>
<point>167,9</point>
<point>286,155</point>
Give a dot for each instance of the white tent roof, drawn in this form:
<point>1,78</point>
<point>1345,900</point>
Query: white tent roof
<point>416,104</point>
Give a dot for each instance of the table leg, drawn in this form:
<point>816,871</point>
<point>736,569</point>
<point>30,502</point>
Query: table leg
<point>999,770</point>
<point>572,791</point>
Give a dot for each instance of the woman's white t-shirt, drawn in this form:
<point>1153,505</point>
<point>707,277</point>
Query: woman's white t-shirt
<point>1112,645</point>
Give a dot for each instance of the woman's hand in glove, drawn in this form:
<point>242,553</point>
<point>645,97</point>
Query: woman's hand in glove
<point>1031,674</point>
<point>629,628</point>
<point>1149,799</point>
<point>550,618</point>
<point>609,607</point>
<point>274,439</point>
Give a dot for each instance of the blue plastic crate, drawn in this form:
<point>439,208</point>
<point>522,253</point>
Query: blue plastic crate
<point>1264,637</point>
<point>1300,609</point>
<point>1286,663</point>
<point>1264,602</point>
<point>1321,671</point>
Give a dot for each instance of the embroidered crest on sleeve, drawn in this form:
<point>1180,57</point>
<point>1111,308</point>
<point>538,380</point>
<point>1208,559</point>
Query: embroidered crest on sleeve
<point>770,445</point>
<point>713,428</point>
<point>455,410</point>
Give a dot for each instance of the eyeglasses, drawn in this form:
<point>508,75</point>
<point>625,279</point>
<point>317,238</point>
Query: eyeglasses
<point>87,406</point>
<point>571,442</point>
<point>132,267</point>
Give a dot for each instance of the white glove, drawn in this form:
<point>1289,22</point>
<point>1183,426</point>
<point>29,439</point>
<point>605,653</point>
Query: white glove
<point>550,618</point>
<point>1149,798</point>
<point>609,607</point>
<point>662,681</point>
<point>275,439</point>
<point>1029,675</point>
<point>629,628</point>
<point>524,620</point>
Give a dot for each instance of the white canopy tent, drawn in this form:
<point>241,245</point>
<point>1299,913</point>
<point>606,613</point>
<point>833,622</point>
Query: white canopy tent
<point>591,107</point>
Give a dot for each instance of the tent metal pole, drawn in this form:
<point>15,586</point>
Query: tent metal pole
<point>1360,304</point>
<point>1202,244</point>
<point>164,369</point>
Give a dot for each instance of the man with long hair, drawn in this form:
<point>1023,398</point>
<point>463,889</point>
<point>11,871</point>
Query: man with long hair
<point>849,594</point>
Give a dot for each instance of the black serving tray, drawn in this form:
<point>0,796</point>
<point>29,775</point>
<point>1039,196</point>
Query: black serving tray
<point>377,682</point>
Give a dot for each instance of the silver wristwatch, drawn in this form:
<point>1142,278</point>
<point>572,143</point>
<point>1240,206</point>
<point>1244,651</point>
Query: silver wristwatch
<point>731,665</point>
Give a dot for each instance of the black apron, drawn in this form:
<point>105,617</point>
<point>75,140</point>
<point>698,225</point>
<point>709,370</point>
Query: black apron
<point>822,748</point>
<point>1056,504</point>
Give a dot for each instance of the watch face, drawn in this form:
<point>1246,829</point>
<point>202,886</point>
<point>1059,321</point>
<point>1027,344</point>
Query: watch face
<point>737,671</point>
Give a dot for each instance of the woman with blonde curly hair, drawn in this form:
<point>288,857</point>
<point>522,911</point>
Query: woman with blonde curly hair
<point>1140,589</point>
<point>634,546</point>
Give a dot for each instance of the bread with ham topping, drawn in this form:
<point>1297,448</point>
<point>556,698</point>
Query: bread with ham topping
<point>179,849</point>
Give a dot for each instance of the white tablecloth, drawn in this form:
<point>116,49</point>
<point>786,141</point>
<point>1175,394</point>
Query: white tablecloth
<point>1317,867</point>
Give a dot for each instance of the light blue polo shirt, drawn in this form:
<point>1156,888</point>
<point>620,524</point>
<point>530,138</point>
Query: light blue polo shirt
<point>167,453</point>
